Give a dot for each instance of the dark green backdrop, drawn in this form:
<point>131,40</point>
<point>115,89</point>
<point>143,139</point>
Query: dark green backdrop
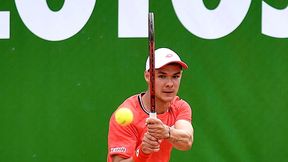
<point>56,97</point>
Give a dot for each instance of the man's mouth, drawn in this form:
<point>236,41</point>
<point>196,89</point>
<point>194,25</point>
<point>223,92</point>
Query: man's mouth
<point>168,92</point>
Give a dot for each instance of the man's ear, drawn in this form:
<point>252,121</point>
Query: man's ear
<point>147,76</point>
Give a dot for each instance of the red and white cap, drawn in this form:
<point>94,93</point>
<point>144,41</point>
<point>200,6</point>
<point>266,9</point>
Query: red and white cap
<point>164,56</point>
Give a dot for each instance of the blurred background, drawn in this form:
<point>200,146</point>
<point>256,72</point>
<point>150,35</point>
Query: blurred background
<point>56,97</point>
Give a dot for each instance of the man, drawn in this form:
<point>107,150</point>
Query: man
<point>152,139</point>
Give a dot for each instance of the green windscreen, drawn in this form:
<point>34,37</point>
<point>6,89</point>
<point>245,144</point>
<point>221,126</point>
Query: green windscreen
<point>56,97</point>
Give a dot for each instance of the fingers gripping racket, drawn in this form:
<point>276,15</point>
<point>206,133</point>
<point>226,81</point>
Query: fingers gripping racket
<point>151,42</point>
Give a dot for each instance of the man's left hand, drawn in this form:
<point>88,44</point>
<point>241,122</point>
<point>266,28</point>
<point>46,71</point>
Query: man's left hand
<point>157,128</point>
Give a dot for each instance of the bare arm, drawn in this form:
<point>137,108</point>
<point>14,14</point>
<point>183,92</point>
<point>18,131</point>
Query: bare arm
<point>180,135</point>
<point>119,159</point>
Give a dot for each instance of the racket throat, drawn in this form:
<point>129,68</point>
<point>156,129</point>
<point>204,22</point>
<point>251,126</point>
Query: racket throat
<point>152,104</point>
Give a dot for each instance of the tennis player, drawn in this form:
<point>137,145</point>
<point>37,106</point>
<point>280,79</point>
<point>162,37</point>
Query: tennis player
<point>152,139</point>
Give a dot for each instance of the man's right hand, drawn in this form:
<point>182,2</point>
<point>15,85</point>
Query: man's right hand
<point>150,144</point>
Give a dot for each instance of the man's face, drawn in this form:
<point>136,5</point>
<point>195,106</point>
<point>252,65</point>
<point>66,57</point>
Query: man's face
<point>167,82</point>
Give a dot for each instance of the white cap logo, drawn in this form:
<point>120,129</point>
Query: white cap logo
<point>169,55</point>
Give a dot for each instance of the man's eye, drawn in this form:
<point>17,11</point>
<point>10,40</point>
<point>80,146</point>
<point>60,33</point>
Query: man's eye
<point>176,76</point>
<point>162,76</point>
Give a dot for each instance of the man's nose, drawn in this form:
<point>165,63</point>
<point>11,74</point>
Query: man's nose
<point>169,82</point>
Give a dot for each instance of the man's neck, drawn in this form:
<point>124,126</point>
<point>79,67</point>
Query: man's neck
<point>161,107</point>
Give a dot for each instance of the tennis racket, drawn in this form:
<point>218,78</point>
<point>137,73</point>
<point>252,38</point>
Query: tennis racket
<point>151,42</point>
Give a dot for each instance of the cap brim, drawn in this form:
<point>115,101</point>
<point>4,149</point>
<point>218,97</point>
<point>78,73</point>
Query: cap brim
<point>183,64</point>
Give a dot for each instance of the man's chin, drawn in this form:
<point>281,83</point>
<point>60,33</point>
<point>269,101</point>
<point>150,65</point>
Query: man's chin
<point>168,97</point>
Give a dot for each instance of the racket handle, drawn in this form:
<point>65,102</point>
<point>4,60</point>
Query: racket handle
<point>153,115</point>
